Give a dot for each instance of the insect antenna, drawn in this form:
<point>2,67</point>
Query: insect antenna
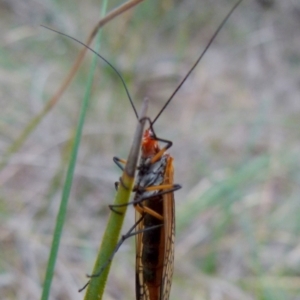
<point>197,61</point>
<point>105,60</point>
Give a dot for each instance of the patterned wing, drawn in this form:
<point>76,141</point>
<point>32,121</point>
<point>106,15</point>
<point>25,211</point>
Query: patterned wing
<point>169,226</point>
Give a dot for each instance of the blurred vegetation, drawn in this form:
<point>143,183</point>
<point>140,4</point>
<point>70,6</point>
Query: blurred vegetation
<point>235,127</point>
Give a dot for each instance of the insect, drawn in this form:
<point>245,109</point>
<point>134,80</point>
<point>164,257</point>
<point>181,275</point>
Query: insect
<point>155,208</point>
<point>155,247</point>
<point>154,205</point>
<point>155,218</point>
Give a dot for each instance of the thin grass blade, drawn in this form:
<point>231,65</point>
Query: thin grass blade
<point>69,177</point>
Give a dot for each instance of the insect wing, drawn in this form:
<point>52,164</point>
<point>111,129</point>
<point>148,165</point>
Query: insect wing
<point>155,247</point>
<point>169,228</point>
<point>150,242</point>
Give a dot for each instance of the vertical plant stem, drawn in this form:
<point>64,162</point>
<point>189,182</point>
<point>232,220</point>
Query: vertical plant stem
<point>112,232</point>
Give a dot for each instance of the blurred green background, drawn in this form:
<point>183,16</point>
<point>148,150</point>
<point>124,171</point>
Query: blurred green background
<point>235,126</point>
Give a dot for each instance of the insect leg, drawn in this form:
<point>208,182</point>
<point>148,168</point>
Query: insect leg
<point>112,206</point>
<point>169,188</point>
<point>122,239</point>
<point>119,162</point>
<point>168,145</point>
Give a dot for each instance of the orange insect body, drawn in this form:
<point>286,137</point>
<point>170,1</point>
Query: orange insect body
<point>149,145</point>
<point>155,246</point>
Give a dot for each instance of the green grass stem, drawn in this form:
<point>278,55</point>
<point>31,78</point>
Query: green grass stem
<point>111,235</point>
<point>70,174</point>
